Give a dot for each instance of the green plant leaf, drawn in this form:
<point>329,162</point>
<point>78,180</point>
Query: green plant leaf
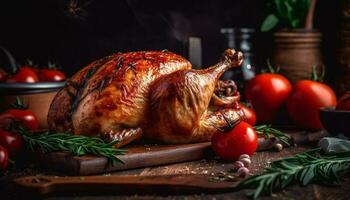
<point>269,23</point>
<point>295,23</point>
<point>277,4</point>
<point>290,13</point>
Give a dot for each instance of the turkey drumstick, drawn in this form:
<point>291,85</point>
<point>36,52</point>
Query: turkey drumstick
<point>179,103</point>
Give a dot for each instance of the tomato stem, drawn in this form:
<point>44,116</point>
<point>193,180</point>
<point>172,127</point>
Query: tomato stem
<point>270,68</point>
<point>51,65</point>
<point>315,76</point>
<point>18,104</point>
<point>29,62</point>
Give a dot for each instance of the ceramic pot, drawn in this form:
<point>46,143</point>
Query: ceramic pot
<point>296,52</point>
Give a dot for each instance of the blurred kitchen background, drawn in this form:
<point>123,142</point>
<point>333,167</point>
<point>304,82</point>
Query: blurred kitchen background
<point>73,33</point>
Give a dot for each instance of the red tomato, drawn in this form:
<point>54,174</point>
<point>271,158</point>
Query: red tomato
<point>268,93</point>
<point>3,75</point>
<point>12,142</point>
<point>51,75</point>
<point>25,116</point>
<point>250,116</point>
<point>242,139</point>
<point>344,102</point>
<point>4,159</point>
<point>36,71</point>
<point>24,75</point>
<point>306,99</point>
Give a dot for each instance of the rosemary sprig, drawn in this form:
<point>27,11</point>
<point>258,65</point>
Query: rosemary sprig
<point>75,144</point>
<point>303,168</point>
<point>267,131</point>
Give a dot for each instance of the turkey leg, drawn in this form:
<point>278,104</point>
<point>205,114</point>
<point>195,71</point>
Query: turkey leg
<point>218,121</point>
<point>225,94</point>
<point>179,101</point>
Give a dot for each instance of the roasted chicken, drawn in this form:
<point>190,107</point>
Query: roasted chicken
<point>151,94</point>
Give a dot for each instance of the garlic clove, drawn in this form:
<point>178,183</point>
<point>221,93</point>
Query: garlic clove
<point>246,161</point>
<point>244,156</point>
<point>243,172</point>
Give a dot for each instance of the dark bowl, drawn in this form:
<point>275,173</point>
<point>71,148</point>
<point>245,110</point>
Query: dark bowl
<point>335,121</point>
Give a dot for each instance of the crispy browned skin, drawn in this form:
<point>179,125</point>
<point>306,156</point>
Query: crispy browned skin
<point>155,94</point>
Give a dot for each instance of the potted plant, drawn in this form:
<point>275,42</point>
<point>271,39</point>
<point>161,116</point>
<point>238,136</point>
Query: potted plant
<point>296,44</point>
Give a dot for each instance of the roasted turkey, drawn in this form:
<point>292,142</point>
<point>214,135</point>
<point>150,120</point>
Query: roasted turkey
<point>151,94</point>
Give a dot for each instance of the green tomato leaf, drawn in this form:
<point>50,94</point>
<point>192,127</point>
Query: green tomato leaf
<point>269,23</point>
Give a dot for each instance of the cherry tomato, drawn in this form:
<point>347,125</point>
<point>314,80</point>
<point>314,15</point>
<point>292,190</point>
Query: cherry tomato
<point>12,142</point>
<point>242,139</point>
<point>3,75</point>
<point>250,116</point>
<point>24,75</point>
<point>268,93</point>
<point>36,70</point>
<point>51,75</point>
<point>26,117</point>
<point>344,102</point>
<point>306,99</point>
<point>4,159</point>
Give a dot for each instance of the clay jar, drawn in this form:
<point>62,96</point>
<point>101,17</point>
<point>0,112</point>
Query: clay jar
<point>296,52</point>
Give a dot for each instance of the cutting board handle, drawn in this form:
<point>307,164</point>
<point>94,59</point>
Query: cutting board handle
<point>43,185</point>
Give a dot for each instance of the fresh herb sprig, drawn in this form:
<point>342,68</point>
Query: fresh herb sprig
<point>75,144</point>
<point>303,168</point>
<point>267,131</point>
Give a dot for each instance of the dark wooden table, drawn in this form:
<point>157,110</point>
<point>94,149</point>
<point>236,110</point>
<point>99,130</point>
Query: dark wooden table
<point>259,161</point>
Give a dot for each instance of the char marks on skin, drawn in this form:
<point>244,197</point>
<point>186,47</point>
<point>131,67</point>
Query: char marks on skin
<point>122,85</point>
<point>63,106</point>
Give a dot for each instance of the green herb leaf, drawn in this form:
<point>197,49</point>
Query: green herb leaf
<point>75,144</point>
<point>303,168</point>
<point>269,23</point>
<point>267,131</point>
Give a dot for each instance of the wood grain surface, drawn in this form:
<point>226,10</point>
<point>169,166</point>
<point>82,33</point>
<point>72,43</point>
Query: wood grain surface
<point>44,185</point>
<point>142,155</point>
<point>136,157</point>
<point>208,166</point>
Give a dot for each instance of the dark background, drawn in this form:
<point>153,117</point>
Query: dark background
<point>74,33</point>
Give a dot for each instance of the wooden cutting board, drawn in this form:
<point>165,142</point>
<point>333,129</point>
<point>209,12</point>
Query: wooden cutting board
<point>136,157</point>
<point>140,155</point>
